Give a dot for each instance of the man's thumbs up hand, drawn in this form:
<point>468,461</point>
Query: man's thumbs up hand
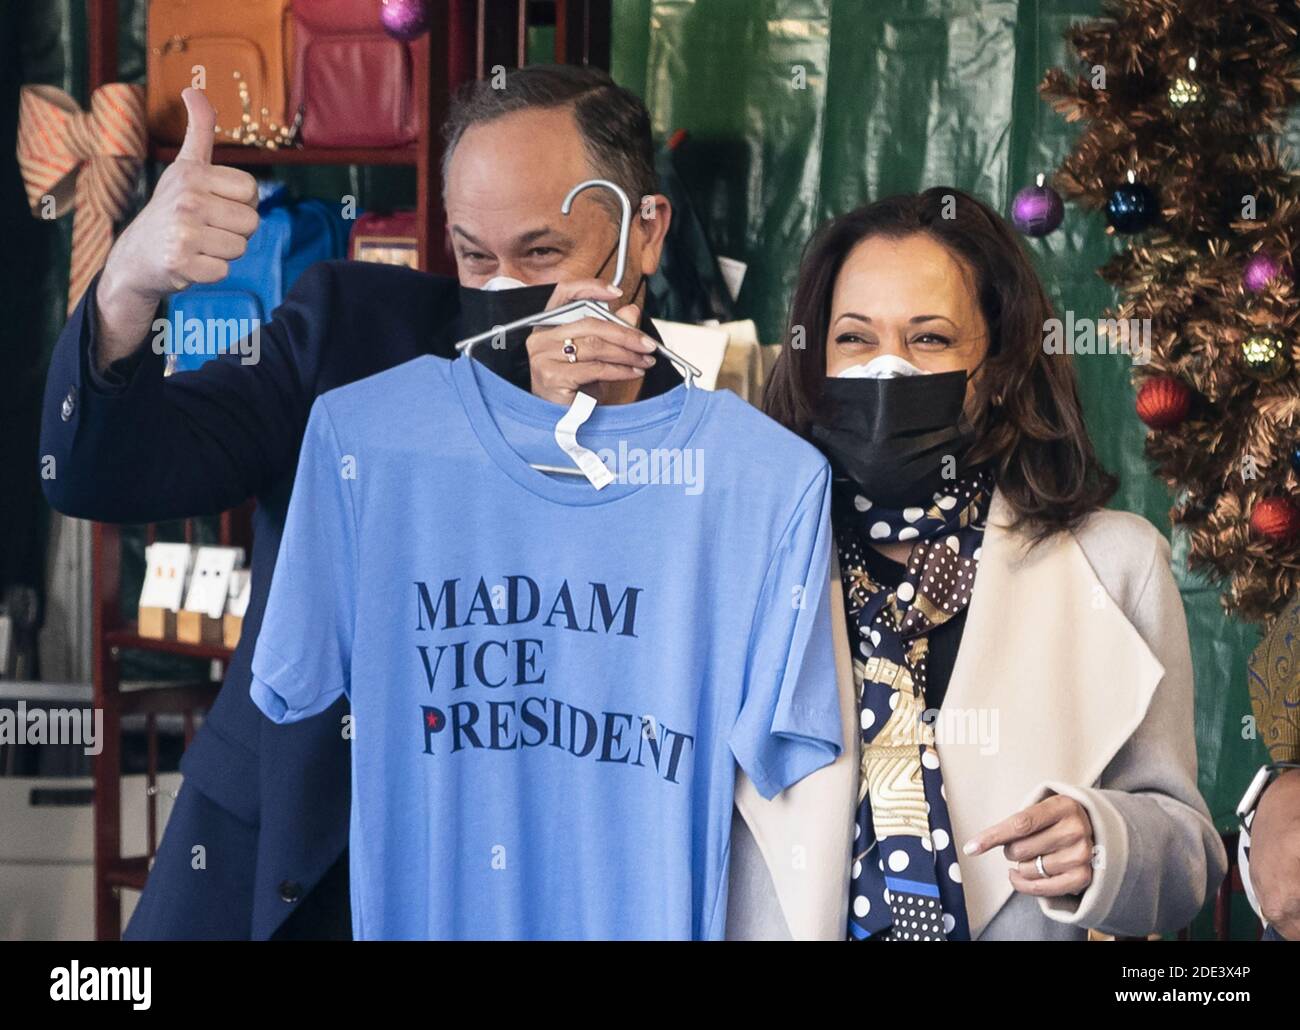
<point>198,220</point>
<point>199,130</point>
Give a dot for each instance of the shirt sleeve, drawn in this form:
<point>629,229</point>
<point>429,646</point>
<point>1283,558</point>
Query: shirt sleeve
<point>304,650</point>
<point>789,722</point>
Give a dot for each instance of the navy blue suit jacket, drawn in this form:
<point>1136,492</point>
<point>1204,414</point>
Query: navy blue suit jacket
<point>155,448</point>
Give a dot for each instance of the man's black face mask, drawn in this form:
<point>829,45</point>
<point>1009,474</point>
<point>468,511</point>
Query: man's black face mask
<point>483,310</point>
<point>891,436</point>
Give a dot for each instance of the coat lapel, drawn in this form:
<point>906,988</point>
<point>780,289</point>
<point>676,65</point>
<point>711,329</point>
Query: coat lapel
<point>1050,680</point>
<point>805,833</point>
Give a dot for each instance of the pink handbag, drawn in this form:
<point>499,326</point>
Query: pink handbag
<point>353,82</point>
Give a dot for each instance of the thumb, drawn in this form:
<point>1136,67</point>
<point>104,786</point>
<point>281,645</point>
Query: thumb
<point>197,145</point>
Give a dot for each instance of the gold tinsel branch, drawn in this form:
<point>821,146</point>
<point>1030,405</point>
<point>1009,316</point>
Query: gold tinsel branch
<point>1225,192</point>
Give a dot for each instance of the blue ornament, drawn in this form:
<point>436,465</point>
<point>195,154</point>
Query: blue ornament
<point>1295,458</point>
<point>1131,207</point>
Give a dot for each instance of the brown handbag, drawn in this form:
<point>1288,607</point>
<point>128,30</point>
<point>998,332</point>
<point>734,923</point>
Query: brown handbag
<point>240,46</point>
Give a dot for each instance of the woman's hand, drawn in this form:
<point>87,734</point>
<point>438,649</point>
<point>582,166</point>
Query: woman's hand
<point>1057,829</point>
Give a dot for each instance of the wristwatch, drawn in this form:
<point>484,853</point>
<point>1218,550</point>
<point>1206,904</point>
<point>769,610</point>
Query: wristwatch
<point>1266,775</point>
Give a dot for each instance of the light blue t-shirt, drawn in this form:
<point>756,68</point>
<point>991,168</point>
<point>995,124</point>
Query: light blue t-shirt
<point>551,685</point>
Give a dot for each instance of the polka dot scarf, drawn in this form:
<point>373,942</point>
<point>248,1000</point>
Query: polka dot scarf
<point>906,883</point>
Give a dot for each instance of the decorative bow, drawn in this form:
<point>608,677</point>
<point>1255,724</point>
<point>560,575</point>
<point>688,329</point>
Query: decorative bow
<point>88,161</point>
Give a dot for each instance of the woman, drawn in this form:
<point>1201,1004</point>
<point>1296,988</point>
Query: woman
<point>1020,655</point>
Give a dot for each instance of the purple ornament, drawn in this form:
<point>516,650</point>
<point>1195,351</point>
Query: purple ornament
<point>405,19</point>
<point>1262,269</point>
<point>1037,210</point>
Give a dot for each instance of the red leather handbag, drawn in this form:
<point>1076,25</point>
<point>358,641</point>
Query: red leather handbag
<point>353,82</point>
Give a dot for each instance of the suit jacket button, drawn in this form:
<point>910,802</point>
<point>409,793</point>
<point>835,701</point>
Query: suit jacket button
<point>69,404</point>
<point>290,891</point>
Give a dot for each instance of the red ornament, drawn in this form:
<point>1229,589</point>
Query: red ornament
<point>1276,519</point>
<point>1163,402</point>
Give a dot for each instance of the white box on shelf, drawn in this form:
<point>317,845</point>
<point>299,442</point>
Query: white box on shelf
<point>167,565</point>
<point>210,580</point>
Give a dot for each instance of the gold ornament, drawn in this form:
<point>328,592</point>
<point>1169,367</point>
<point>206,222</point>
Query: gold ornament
<point>249,133</point>
<point>1264,355</point>
<point>1185,91</point>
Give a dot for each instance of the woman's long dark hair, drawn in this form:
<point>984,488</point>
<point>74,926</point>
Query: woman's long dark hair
<point>1028,419</point>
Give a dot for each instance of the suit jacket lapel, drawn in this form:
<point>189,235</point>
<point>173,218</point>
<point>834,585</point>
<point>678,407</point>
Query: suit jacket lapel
<point>1050,680</point>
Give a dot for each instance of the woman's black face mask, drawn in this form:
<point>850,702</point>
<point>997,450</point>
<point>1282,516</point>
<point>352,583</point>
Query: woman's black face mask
<point>893,437</point>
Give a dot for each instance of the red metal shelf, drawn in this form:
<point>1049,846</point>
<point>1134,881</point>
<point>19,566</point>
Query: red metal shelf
<point>127,872</point>
<point>128,638</point>
<point>233,154</point>
<point>179,699</point>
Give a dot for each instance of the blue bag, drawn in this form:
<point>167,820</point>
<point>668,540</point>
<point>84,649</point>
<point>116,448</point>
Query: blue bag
<point>208,320</point>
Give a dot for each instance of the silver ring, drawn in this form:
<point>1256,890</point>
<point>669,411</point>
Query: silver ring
<point>1038,864</point>
<point>570,350</point>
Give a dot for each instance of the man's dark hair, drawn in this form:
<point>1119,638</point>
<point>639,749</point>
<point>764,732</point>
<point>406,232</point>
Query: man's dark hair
<point>613,122</point>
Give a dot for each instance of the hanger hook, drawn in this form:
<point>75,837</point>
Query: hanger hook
<point>625,222</point>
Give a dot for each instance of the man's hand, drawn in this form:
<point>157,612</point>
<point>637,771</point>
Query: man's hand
<point>610,359</point>
<point>1059,830</point>
<point>1275,854</point>
<point>198,220</point>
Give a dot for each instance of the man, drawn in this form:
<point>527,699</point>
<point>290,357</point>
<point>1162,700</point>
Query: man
<point>256,843</point>
<point>1270,857</point>
<point>1269,846</point>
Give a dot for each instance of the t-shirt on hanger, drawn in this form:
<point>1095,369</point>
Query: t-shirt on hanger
<point>551,685</point>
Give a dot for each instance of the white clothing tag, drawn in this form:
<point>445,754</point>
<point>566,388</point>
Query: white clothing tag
<point>703,346</point>
<point>566,435</point>
<point>733,274</point>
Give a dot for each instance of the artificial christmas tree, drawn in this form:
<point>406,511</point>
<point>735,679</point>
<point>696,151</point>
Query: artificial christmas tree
<point>1182,102</point>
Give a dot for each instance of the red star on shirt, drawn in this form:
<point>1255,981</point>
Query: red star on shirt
<point>432,719</point>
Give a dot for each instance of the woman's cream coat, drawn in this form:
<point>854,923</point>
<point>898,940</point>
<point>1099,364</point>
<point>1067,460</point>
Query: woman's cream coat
<point>1073,676</point>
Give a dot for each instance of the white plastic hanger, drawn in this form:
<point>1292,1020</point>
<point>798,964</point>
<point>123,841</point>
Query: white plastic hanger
<point>580,309</point>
